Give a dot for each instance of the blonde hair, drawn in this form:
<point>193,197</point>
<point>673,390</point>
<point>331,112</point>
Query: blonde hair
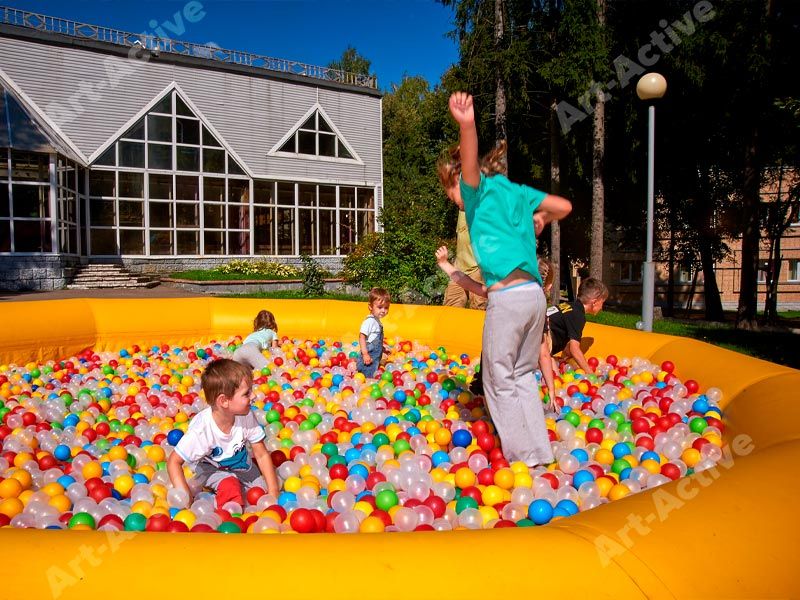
<point>494,162</point>
<point>547,272</point>
<point>223,377</point>
<point>265,320</point>
<point>376,294</point>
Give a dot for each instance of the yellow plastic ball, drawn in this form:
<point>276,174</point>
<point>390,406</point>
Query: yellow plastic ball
<point>372,525</point>
<point>504,478</point>
<point>10,488</point>
<point>11,507</point>
<point>618,492</point>
<point>465,478</point>
<point>691,457</point>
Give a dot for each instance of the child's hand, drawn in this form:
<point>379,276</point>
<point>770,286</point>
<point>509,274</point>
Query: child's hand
<point>367,359</point>
<point>441,255</point>
<point>461,108</point>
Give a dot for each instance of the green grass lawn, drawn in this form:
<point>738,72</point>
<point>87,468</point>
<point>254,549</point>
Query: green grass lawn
<point>775,346</point>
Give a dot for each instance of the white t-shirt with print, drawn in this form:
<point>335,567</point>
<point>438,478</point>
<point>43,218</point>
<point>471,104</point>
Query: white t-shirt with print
<point>371,328</point>
<point>204,441</point>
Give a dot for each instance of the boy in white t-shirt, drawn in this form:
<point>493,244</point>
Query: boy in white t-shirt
<point>370,336</point>
<point>216,442</point>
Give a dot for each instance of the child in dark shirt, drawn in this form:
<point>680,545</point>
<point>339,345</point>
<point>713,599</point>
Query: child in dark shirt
<point>568,320</point>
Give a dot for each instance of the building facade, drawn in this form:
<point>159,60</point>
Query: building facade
<point>166,155</point>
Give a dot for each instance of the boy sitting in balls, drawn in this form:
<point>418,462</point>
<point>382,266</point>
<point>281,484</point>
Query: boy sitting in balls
<point>567,320</point>
<point>216,442</point>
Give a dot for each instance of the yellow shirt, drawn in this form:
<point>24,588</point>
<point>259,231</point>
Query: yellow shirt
<point>465,259</point>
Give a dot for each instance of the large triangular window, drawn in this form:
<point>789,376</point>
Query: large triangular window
<point>315,136</point>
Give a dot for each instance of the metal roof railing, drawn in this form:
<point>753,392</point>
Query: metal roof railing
<point>156,45</point>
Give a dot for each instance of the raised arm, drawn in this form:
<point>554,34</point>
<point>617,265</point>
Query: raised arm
<point>462,110</point>
<point>552,208</point>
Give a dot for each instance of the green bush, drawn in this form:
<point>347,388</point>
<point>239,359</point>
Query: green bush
<point>313,278</point>
<point>401,261</point>
<point>262,268</point>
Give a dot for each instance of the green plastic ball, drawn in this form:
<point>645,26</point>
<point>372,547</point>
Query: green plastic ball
<point>386,499</point>
<point>135,522</point>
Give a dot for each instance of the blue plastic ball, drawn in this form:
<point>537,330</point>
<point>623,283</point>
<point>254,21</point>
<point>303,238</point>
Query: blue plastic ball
<point>620,449</point>
<point>439,457</point>
<point>462,438</point>
<point>569,506</point>
<point>582,476</point>
<point>540,512</point>
<point>62,452</point>
<point>700,405</point>
<point>580,454</point>
<point>174,436</point>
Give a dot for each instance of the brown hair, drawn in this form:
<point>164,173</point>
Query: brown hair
<point>547,272</point>
<point>223,377</point>
<point>376,294</point>
<point>448,167</point>
<point>265,320</point>
<point>592,289</point>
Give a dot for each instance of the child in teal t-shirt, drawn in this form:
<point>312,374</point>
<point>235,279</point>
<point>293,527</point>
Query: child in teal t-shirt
<point>264,336</point>
<point>500,217</point>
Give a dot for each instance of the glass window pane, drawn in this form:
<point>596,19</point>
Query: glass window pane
<point>285,231</point>
<point>238,216</point>
<point>234,168</point>
<point>187,131</point>
<point>187,215</point>
<point>327,145</point>
<point>160,187</point>
<point>136,132</point>
<point>263,225</point>
<point>181,108</point>
<point>159,156</point>
<point>343,151</point>
<point>131,185</point>
<point>307,195</point>
<point>67,209</point>
<point>71,182</point>
<point>348,236</point>
<point>187,188</point>
<point>214,242</point>
<point>308,234</point>
<point>131,154</point>
<point>213,189</point>
<point>160,242</point>
<point>188,242</point>
<point>286,194</point>
<point>213,160</point>
<point>102,183</point>
<point>31,201</point>
<point>5,236</point>
<point>4,206</point>
<point>366,223</point>
<point>107,158</point>
<point>366,198</point>
<point>104,241</point>
<point>327,232</point>
<point>306,142</point>
<point>188,158</point>
<point>238,191</point>
<point>131,241</point>
<point>310,123</point>
<point>239,242</point>
<point>323,124</point>
<point>159,129</point>
<point>30,166</point>
<point>209,139</point>
<point>214,216</point>
<point>160,214</point>
<point>101,212</point>
<point>164,105</point>
<point>131,213</point>
<point>263,192</point>
<point>288,145</point>
<point>327,196</point>
<point>347,197</point>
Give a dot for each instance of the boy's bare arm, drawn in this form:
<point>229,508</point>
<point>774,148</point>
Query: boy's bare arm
<point>553,208</point>
<point>362,344</point>
<point>575,352</point>
<point>459,277</point>
<point>264,462</point>
<point>175,471</point>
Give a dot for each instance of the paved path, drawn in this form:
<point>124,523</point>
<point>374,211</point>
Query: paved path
<point>161,291</point>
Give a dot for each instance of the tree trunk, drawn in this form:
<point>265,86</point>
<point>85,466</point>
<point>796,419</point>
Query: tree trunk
<point>671,275</point>
<point>713,301</point>
<point>500,88</point>
<point>555,188</point>
<point>751,233</point>
<point>598,158</point>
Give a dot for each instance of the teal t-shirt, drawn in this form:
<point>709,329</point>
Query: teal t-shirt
<point>262,337</point>
<point>500,219</point>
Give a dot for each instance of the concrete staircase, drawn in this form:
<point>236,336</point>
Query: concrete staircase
<point>99,276</point>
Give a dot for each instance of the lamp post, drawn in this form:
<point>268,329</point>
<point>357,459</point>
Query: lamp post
<point>650,88</point>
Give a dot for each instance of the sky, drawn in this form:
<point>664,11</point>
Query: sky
<point>399,37</point>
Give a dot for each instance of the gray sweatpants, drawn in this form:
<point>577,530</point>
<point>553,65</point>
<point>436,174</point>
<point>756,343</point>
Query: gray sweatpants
<point>512,337</point>
<point>250,356</point>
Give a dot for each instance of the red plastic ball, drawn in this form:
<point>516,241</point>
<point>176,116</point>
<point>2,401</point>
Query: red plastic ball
<point>594,435</point>
<point>253,494</point>
<point>302,521</point>
<point>670,470</point>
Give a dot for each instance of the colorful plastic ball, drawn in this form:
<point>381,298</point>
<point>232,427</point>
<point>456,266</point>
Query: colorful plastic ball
<point>464,503</point>
<point>135,522</point>
<point>174,436</point>
<point>540,511</point>
<point>698,425</point>
<point>569,506</point>
<point>581,477</point>
<point>302,521</point>
<point>386,499</point>
<point>229,527</point>
<point>81,519</point>
<point>462,438</point>
<point>62,452</point>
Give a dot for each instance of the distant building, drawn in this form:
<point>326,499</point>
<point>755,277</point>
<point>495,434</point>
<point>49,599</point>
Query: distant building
<point>168,155</point>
